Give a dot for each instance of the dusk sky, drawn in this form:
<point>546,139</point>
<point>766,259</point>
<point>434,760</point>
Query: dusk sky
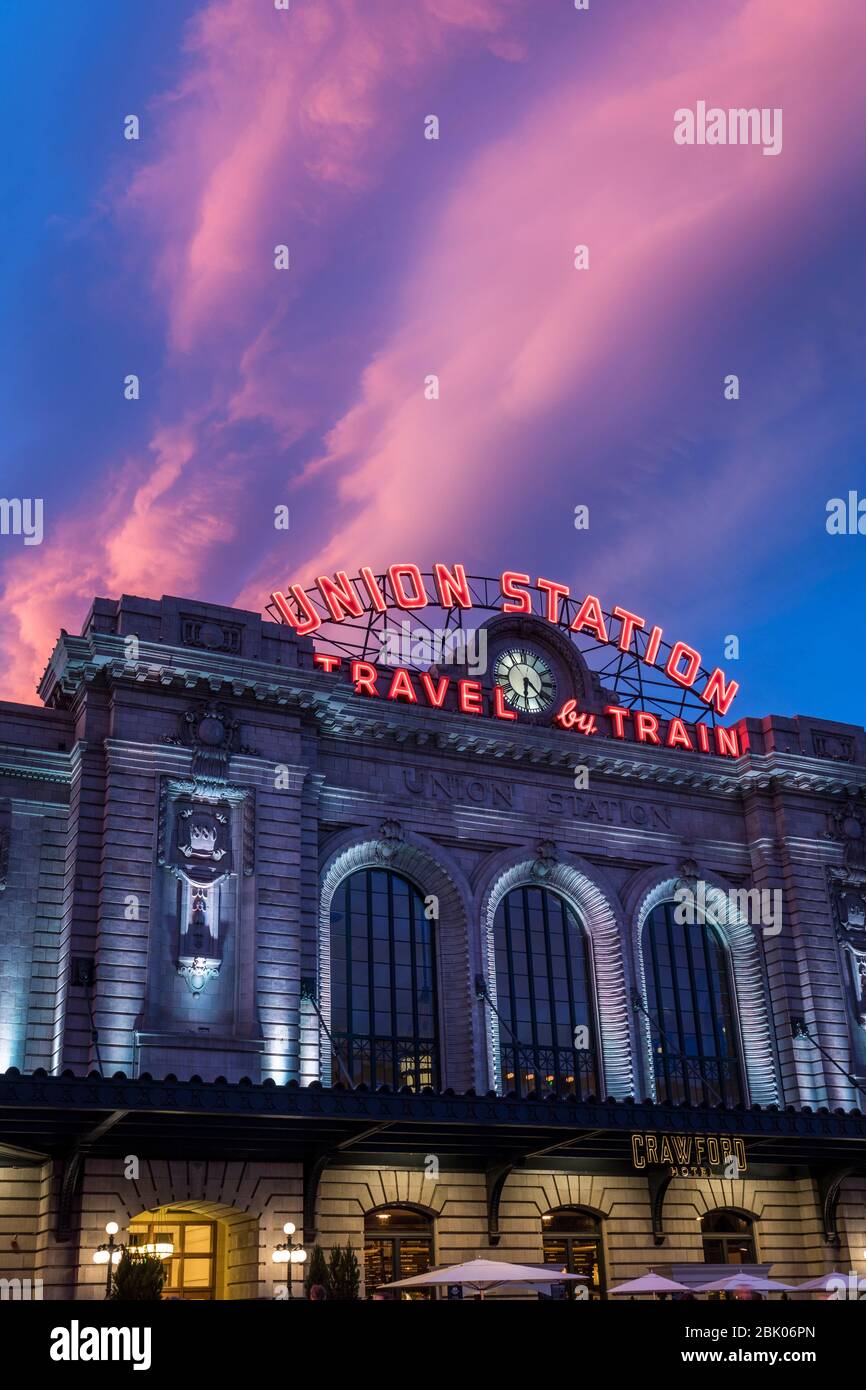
<point>454,257</point>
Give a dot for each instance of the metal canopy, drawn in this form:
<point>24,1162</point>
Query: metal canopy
<point>193,1119</point>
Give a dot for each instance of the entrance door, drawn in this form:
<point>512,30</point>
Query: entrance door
<point>572,1240</point>
<point>398,1244</point>
<point>191,1271</point>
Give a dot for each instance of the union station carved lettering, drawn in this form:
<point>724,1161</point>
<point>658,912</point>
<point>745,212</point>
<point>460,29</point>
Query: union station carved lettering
<point>452,788</point>
<point>607,810</point>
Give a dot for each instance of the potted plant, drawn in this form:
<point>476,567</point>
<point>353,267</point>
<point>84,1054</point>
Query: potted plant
<point>344,1275</point>
<point>138,1278</point>
<point>317,1274</point>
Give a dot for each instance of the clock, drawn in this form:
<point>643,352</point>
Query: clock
<point>525,679</point>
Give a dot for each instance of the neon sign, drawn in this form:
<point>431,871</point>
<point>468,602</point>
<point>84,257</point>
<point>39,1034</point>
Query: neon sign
<point>341,599</point>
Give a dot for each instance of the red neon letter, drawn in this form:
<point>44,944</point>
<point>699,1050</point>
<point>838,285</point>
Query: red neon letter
<point>435,694</point>
<point>703,737</point>
<point>726,742</point>
<point>373,590</point>
<point>339,596</point>
<point>452,586</point>
<point>589,615</point>
<point>327,663</point>
<point>401,686</point>
<point>500,708</point>
<point>717,692</point>
<point>646,726</point>
<point>678,735</point>
<point>629,622</point>
<point>507,581</point>
<point>469,697</point>
<point>301,625</point>
<point>687,676</point>
<point>554,593</point>
<point>652,649</point>
<point>364,676</point>
<point>617,717</point>
<point>417,599</point>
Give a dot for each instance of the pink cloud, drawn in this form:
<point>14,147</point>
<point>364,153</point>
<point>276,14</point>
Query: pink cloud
<point>278,121</point>
<point>492,305</point>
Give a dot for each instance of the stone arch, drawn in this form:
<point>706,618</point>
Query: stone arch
<point>601,921</point>
<point>426,866</point>
<point>251,1205</point>
<point>757,1053</point>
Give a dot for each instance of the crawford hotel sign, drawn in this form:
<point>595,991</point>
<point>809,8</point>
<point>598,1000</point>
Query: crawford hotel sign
<point>642,688</point>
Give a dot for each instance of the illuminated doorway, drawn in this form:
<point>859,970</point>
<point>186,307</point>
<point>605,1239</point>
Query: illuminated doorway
<point>572,1240</point>
<point>398,1244</point>
<point>214,1250</point>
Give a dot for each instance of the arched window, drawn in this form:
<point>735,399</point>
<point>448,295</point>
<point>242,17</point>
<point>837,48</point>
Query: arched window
<point>383,983</point>
<point>398,1244</point>
<point>544,995</point>
<point>729,1238</point>
<point>571,1237</point>
<point>694,1035</point>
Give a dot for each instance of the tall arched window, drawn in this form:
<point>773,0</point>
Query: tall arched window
<point>694,1034</point>
<point>544,995</point>
<point>383,983</point>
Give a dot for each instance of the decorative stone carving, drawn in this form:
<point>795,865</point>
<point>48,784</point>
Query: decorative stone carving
<point>390,839</point>
<point>212,636</point>
<point>211,731</point>
<point>546,859</point>
<point>689,873</point>
<point>846,823</point>
<point>836,747</point>
<point>201,842</point>
<point>195,845</point>
<point>200,952</point>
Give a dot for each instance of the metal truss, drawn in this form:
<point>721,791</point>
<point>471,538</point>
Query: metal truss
<point>624,674</point>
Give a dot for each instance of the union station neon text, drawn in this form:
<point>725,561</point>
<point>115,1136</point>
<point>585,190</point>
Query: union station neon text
<point>344,598</point>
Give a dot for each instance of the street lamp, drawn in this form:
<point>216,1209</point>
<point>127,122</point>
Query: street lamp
<point>289,1253</point>
<point>109,1253</point>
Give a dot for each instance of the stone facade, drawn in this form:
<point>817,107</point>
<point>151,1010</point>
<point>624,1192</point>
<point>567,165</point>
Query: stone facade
<point>176,733</point>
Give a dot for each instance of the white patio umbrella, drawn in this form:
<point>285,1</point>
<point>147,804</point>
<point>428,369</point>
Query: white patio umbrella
<point>485,1274</point>
<point>651,1283</point>
<point>732,1282</point>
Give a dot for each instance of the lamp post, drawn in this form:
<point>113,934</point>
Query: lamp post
<point>109,1253</point>
<point>289,1253</point>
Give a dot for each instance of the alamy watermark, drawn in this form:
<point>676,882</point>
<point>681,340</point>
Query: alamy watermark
<point>20,1290</point>
<point>760,907</point>
<point>22,516</point>
<point>739,125</point>
<point>436,646</point>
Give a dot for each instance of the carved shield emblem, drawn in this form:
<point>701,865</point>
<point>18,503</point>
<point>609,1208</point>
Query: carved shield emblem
<point>201,847</point>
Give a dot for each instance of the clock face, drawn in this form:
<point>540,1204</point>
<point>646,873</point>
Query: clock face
<point>526,680</point>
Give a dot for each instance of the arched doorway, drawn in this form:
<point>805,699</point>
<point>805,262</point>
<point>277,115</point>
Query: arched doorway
<point>728,1237</point>
<point>398,1244</point>
<point>214,1249</point>
<point>572,1240</point>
